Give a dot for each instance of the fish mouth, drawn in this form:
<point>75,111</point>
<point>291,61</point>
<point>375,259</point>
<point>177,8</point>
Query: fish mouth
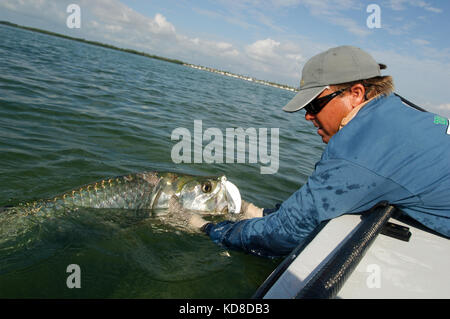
<point>233,196</point>
<point>224,210</point>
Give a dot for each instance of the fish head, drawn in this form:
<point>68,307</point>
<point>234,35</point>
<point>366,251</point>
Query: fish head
<point>208,195</point>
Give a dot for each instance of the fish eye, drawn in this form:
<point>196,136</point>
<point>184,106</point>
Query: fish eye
<point>206,187</point>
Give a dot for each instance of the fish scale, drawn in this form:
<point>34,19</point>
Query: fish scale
<point>123,192</point>
<point>140,191</point>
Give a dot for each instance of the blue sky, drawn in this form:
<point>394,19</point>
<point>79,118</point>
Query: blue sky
<point>269,39</point>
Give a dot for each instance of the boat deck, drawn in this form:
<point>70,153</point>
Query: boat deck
<point>391,268</point>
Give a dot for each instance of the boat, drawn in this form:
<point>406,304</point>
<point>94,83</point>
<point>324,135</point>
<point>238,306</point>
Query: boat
<point>380,254</point>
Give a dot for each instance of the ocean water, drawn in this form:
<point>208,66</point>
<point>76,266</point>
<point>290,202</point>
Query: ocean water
<point>73,113</point>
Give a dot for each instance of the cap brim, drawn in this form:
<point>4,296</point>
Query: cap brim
<point>303,97</point>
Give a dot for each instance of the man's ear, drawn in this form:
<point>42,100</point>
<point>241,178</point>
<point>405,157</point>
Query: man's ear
<point>357,93</point>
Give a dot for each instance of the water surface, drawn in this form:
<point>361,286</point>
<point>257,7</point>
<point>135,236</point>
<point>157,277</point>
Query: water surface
<point>73,113</point>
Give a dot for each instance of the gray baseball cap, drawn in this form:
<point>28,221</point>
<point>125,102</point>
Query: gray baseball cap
<point>335,66</point>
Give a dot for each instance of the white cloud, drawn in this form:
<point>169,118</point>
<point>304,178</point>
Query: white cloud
<point>262,50</point>
<point>43,9</point>
<point>420,41</point>
<point>275,58</point>
<point>350,25</point>
<point>397,5</point>
<point>238,20</point>
<point>161,26</point>
<point>113,27</point>
<point>400,5</point>
<point>426,6</point>
<point>333,12</point>
<point>113,22</point>
<point>224,45</point>
<point>206,48</point>
<point>432,9</point>
<point>286,3</point>
<point>10,5</point>
<point>445,107</point>
<point>408,26</point>
<point>281,60</point>
<point>109,11</point>
<point>399,29</point>
<point>441,109</point>
<point>420,80</point>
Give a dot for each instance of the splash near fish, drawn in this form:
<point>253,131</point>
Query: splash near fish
<point>164,195</point>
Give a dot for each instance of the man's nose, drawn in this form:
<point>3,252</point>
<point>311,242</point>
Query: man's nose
<point>309,116</point>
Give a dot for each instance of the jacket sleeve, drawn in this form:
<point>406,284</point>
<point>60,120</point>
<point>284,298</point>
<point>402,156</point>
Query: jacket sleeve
<point>336,187</point>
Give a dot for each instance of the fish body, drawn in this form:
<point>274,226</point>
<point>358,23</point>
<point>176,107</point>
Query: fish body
<point>149,191</point>
<point>35,230</point>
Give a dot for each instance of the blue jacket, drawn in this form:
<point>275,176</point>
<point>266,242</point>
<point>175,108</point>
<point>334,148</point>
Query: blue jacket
<point>388,151</point>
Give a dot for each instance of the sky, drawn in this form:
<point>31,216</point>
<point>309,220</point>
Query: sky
<point>269,40</point>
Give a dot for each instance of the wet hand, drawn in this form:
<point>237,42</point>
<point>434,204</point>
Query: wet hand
<point>184,219</point>
<point>248,210</point>
<point>196,222</point>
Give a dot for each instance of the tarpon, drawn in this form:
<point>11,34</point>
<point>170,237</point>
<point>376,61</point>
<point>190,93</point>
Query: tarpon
<point>149,191</point>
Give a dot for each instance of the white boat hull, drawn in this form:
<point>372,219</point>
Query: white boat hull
<point>391,268</point>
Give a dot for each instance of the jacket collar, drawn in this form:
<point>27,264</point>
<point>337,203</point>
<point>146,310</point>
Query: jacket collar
<point>355,111</point>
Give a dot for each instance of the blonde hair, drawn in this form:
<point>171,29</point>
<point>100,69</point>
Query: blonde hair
<point>383,85</point>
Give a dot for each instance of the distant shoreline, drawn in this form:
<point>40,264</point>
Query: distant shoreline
<point>226,73</point>
<point>242,77</point>
<point>92,42</point>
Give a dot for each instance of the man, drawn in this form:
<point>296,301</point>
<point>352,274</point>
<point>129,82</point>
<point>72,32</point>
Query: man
<point>377,149</point>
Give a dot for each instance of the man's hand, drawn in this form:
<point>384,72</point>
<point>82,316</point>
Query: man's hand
<point>248,210</point>
<point>182,218</point>
<point>196,222</point>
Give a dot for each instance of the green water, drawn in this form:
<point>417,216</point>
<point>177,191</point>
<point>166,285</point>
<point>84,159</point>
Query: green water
<point>72,113</point>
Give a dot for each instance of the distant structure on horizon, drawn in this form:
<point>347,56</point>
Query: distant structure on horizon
<point>242,77</point>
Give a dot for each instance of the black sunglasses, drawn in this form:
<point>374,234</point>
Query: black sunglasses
<point>316,105</point>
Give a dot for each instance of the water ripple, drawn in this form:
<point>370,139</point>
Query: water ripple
<point>71,113</point>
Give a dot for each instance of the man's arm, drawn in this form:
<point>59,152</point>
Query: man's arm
<point>336,187</point>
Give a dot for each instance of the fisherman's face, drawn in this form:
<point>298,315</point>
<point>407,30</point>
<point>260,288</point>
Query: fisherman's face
<point>329,118</point>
